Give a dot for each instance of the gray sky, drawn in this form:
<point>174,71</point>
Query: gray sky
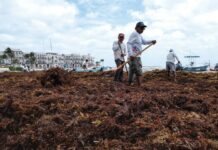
<point>190,27</point>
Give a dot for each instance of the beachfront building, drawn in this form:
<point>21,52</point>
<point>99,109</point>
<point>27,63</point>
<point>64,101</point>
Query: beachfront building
<point>18,56</point>
<point>75,60</point>
<point>52,60</point>
<point>48,60</point>
<point>41,61</point>
<point>69,61</point>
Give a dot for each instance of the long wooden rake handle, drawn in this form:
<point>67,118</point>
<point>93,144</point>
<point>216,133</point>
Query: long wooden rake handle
<point>123,58</point>
<point>134,56</point>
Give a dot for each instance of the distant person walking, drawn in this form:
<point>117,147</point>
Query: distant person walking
<point>170,64</point>
<point>85,64</point>
<point>134,46</point>
<point>119,49</point>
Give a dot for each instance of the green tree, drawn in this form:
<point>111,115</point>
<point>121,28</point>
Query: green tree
<point>15,61</point>
<point>31,59</point>
<point>4,56</point>
<point>8,53</point>
<point>1,58</point>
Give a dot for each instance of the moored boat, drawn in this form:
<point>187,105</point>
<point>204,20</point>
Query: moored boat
<point>196,68</point>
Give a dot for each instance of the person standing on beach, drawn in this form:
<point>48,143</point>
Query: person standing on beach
<point>119,49</point>
<point>134,46</point>
<point>85,64</point>
<point>170,63</point>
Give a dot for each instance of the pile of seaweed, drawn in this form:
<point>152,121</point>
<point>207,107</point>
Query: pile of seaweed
<point>54,77</point>
<point>97,113</point>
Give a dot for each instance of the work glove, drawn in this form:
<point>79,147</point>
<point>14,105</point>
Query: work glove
<point>153,41</point>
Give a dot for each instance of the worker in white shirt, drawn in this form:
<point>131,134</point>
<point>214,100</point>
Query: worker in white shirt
<point>170,63</point>
<point>134,46</point>
<point>85,64</point>
<point>119,49</point>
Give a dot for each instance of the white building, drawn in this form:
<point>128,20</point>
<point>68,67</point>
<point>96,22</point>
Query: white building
<point>17,59</point>
<point>41,60</point>
<point>49,60</point>
<point>18,56</point>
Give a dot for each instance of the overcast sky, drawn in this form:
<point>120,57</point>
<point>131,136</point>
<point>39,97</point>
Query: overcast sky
<point>190,27</point>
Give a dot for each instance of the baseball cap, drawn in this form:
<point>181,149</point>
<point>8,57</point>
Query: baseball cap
<point>140,24</point>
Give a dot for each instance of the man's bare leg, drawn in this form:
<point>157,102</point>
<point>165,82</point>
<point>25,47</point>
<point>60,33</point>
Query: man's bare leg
<point>174,75</point>
<point>168,75</point>
<point>138,79</point>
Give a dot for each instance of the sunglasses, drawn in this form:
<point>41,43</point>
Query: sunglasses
<point>121,37</point>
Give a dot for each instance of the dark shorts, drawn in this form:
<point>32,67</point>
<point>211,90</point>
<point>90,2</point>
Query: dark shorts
<point>119,62</point>
<point>170,66</point>
<point>135,66</point>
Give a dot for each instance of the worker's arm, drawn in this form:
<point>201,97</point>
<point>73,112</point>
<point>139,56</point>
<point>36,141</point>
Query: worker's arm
<point>144,42</point>
<point>176,57</point>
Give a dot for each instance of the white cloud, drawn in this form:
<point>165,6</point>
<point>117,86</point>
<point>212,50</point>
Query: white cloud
<point>6,37</point>
<point>207,18</point>
<point>36,19</point>
<point>92,15</point>
<point>188,26</point>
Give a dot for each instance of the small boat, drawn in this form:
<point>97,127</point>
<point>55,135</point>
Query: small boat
<point>196,69</point>
<point>192,67</point>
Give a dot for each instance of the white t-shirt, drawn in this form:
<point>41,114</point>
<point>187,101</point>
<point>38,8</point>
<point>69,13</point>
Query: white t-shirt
<point>135,42</point>
<point>171,57</point>
<point>85,64</point>
<point>118,50</point>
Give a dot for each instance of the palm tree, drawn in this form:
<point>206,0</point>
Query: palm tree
<point>15,61</point>
<point>31,59</point>
<point>2,57</point>
<point>8,53</point>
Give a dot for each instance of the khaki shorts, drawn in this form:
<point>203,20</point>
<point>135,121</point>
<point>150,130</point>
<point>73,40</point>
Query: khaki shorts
<point>170,66</point>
